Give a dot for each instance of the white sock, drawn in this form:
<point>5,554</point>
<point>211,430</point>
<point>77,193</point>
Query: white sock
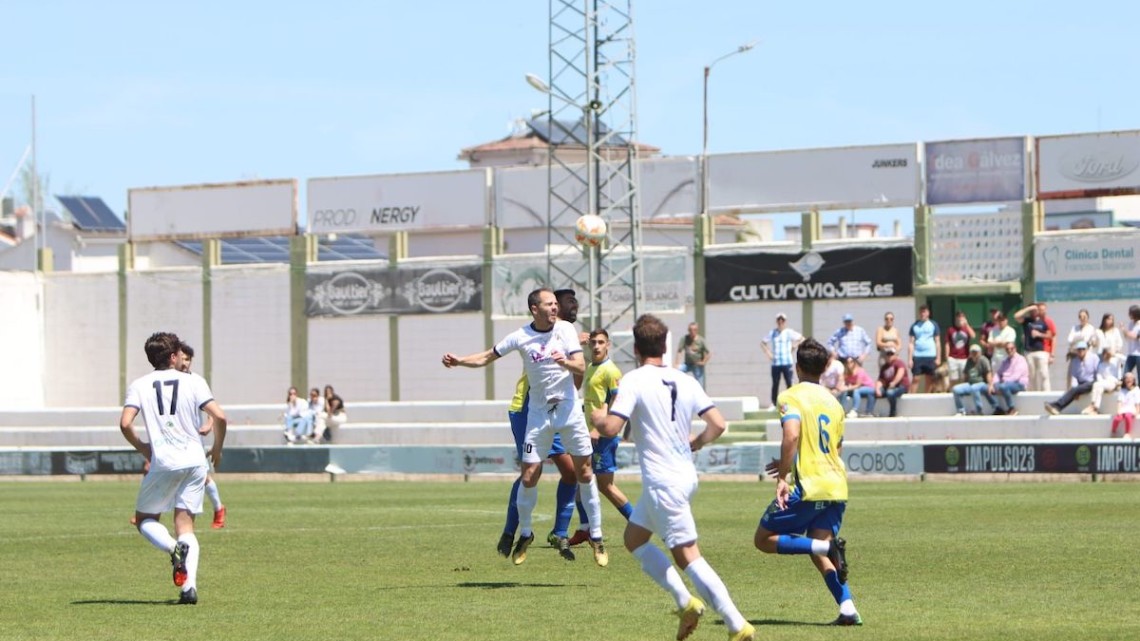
<point>527,499</point>
<point>157,534</point>
<point>191,560</point>
<point>709,586</point>
<point>657,565</point>
<point>847,608</point>
<point>820,547</point>
<point>593,503</point>
<point>215,496</point>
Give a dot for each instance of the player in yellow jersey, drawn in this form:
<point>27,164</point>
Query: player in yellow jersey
<point>811,481</point>
<point>599,386</point>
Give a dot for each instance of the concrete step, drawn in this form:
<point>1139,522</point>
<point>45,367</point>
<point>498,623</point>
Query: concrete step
<point>1025,426</point>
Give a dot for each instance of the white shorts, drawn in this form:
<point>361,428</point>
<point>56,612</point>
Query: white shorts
<point>665,510</point>
<point>544,420</point>
<point>957,367</point>
<point>164,490</point>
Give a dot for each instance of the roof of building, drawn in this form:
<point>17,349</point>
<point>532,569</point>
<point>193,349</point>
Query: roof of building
<point>539,134</point>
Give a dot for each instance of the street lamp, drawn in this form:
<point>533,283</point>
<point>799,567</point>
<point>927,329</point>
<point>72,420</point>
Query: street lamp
<point>705,122</point>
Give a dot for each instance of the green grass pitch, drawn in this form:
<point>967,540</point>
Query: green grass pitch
<point>415,560</point>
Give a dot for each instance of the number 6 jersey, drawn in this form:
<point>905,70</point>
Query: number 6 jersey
<point>169,401</point>
<point>818,469</point>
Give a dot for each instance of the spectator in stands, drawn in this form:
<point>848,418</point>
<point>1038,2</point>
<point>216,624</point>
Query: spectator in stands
<point>857,385</point>
<point>694,353</point>
<point>298,419</point>
<point>1132,333</point>
<point>779,345</point>
<point>1107,380</point>
<point>892,381</point>
<point>979,379</point>
<point>984,336</point>
<point>832,377</point>
<point>1034,331</point>
<point>887,336</point>
<point>1010,378</point>
<point>1109,337</point>
<point>1042,310</point>
<point>1082,331</point>
<point>1082,375</point>
<point>317,406</point>
<point>1000,335</point>
<point>958,340</point>
<point>850,341</point>
<point>1127,405</point>
<point>925,349</point>
<point>337,417</point>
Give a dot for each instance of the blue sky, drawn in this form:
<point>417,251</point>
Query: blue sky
<point>134,94</point>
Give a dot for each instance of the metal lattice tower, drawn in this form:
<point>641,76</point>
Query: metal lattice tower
<point>592,164</point>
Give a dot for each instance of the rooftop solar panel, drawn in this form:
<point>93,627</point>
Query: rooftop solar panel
<point>91,214</point>
<point>275,249</point>
<point>565,132</point>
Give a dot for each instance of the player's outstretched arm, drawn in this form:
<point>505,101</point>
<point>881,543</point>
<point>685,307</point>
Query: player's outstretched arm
<point>715,425</point>
<point>218,418</point>
<point>478,359</point>
<point>126,426</point>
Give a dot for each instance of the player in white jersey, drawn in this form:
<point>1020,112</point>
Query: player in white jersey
<point>660,402</point>
<point>552,356</point>
<point>170,401</point>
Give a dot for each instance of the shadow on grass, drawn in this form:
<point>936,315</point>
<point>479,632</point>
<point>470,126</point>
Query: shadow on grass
<point>125,602</point>
<point>759,622</point>
<point>500,585</point>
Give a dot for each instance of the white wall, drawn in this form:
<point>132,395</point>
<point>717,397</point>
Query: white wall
<point>351,354</point>
<point>81,346</point>
<point>251,333</point>
<point>168,300</point>
<point>21,368</point>
<point>424,340</point>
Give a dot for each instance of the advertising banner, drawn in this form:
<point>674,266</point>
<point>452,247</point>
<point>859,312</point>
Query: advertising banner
<point>1087,265</point>
<point>398,202</point>
<point>226,210</point>
<point>665,282</point>
<point>975,171</point>
<point>1088,165</point>
<point>825,274</point>
<point>839,178</point>
<point>407,290</point>
<point>1014,458</point>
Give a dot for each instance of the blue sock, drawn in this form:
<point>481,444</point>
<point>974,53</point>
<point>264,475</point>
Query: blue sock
<point>513,510</point>
<point>582,517</point>
<point>839,591</point>
<point>626,510</point>
<point>565,498</point>
<point>791,544</point>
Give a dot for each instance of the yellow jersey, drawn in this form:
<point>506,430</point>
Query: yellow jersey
<point>599,385</point>
<point>818,471</point>
<point>522,388</point>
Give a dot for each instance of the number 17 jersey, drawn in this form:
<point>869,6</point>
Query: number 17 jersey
<point>169,401</point>
<point>818,470</point>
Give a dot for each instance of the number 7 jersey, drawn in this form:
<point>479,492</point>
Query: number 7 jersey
<point>169,401</point>
<point>818,470</point>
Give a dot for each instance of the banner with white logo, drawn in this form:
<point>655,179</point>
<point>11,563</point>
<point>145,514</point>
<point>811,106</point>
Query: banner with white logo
<point>840,178</point>
<point>975,171</point>
<point>407,290</point>
<point>841,273</point>
<point>397,202</point>
<point>1087,265</point>
<point>1088,165</point>
<point>666,286</point>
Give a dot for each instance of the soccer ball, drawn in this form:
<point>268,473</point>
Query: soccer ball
<point>590,230</point>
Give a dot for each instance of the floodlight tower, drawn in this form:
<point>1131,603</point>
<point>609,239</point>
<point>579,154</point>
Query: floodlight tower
<point>592,108</point>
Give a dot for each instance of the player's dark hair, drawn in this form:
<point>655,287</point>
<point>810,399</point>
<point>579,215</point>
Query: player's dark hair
<point>1134,312</point>
<point>160,347</point>
<point>649,336</point>
<point>811,358</point>
<point>535,297</point>
<point>187,350</point>
<point>600,332</point>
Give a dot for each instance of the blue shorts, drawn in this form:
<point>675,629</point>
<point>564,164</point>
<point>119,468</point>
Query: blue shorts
<point>605,455</point>
<point>518,430</point>
<point>801,516</point>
